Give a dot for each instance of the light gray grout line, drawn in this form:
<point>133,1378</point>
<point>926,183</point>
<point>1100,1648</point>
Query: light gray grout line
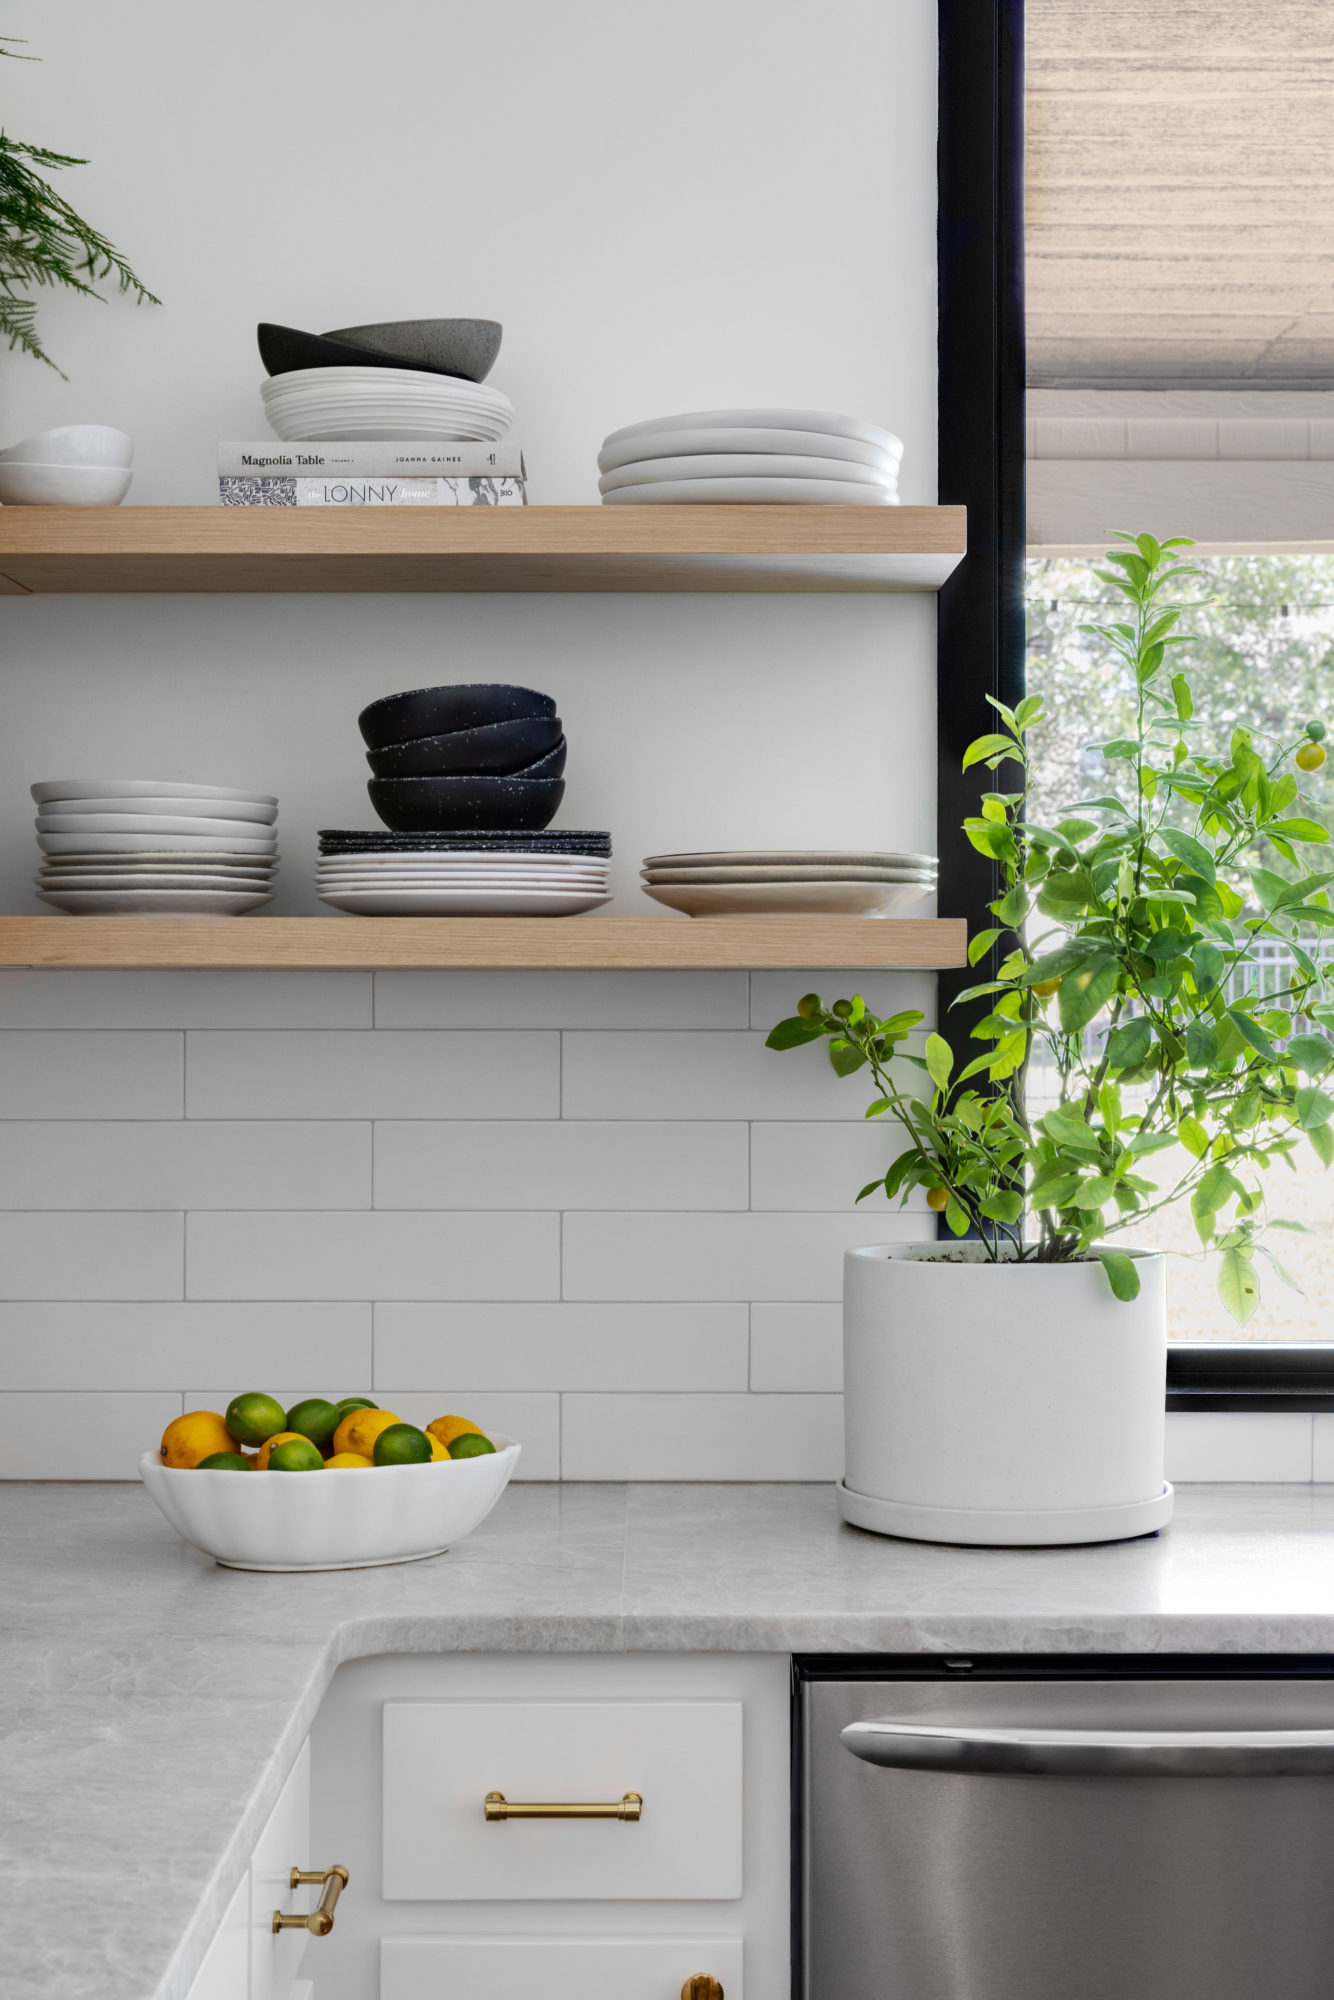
<point>750,1347</point>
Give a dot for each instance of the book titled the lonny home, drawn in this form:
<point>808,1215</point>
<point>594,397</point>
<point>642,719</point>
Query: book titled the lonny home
<point>366,491</point>
<point>371,473</point>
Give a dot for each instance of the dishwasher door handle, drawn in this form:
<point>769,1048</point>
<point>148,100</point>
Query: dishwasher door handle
<point>1094,1753</point>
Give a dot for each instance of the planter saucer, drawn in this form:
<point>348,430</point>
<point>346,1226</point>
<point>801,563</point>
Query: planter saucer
<point>1006,1528</point>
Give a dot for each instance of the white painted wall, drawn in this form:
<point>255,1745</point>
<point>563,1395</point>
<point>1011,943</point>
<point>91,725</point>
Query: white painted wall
<point>668,209</point>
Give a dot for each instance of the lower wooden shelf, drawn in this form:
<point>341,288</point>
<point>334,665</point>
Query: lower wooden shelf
<point>367,943</point>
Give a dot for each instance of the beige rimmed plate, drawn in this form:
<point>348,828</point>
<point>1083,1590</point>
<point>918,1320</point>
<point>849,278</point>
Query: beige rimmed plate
<point>794,874</point>
<point>786,899</point>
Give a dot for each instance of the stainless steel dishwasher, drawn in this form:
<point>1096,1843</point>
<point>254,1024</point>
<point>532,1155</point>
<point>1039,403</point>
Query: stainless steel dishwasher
<point>1085,1838</point>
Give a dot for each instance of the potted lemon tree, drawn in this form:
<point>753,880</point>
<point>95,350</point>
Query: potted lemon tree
<point>1006,1384</point>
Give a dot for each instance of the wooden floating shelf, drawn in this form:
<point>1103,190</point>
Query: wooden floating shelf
<point>368,943</point>
<point>118,549</point>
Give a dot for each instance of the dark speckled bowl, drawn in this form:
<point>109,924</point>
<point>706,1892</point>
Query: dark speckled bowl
<point>497,746</point>
<point>431,805</point>
<point>435,711</point>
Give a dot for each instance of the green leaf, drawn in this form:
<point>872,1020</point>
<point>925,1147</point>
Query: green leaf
<point>939,1061</point>
<point>1193,1137</point>
<point>1238,1286</point>
<point>792,1033</point>
<point>1201,1045</point>
<point>1209,964</point>
<point>846,1057</point>
<point>1298,829</point>
<point>871,1187</point>
<point>877,1108</point>
<point>1181,691</point>
<point>1013,907</point>
<point>1193,853</point>
<point>1252,1033</point>
<point>1065,1126</point>
<point>1129,1045</point>
<point>981,945</point>
<point>1003,1207</point>
<point>1310,1053</point>
<point>990,746</point>
<point>1054,963</point>
<point>1122,1275</point>
<point>1095,1193</point>
<point>1085,993</point>
<point>956,1216</point>
<point>1121,747</point>
<point>1055,1194</point>
<point>1313,1107</point>
<point>1322,1139</point>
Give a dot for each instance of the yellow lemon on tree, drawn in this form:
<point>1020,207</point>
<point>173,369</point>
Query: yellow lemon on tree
<point>1310,757</point>
<point>359,1430</point>
<point>196,1435</point>
<point>266,1449</point>
<point>938,1198</point>
<point>1044,988</point>
<point>347,1461</point>
<point>448,1428</point>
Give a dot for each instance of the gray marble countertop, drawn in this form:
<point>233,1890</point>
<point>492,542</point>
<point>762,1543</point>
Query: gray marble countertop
<point>152,1704</point>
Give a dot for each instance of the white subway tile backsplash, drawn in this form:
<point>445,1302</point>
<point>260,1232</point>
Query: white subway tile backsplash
<point>822,1166</point>
<point>774,995</point>
<point>770,1256</point>
<point>1322,1445</point>
<point>701,1437</point>
<point>73,1074</point>
<point>559,999</point>
<point>372,1254</point>
<point>563,1346</point>
<point>703,1075</point>
<point>91,1256</point>
<point>372,1075</point>
<point>164,1345</point>
<point>532,1421</point>
<point>796,1347</point>
<point>81,1435</point>
<point>1243,1445</point>
<point>185,1163</point>
<point>558,1163</point>
<point>186,998</point>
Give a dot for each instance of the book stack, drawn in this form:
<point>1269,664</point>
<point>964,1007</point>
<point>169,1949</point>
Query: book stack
<point>369,473</point>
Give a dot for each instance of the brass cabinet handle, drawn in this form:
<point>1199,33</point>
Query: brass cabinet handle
<point>499,1807</point>
<point>702,1986</point>
<point>321,1919</point>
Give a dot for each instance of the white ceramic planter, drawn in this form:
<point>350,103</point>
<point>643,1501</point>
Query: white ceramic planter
<point>1014,1405</point>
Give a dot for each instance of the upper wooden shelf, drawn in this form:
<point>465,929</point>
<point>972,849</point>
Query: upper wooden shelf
<point>64,549</point>
<point>368,943</point>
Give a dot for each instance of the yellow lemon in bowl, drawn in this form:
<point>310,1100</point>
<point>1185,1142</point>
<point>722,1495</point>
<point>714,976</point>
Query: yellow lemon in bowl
<point>347,1461</point>
<point>196,1435</point>
<point>359,1430</point>
<point>438,1450</point>
<point>448,1428</point>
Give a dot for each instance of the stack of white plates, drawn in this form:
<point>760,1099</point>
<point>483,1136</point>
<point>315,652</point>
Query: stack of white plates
<point>751,457</point>
<point>153,847</point>
<point>371,403</point>
<point>501,875</point>
<point>789,882</point>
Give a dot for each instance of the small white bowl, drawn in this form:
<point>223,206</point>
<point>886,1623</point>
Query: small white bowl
<point>73,444</point>
<point>62,485</point>
<point>342,1520</point>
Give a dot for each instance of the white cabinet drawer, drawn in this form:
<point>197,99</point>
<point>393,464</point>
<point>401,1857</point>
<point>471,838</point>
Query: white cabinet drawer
<point>555,1968</point>
<point>441,1758</point>
<point>283,1846</point>
<point>225,1973</point>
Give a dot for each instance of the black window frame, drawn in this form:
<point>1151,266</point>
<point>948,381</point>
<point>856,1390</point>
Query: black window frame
<point>980,630</point>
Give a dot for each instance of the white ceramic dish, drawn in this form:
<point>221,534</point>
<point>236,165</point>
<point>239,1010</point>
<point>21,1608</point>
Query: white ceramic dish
<point>131,867</point>
<point>73,444</point>
<point>421,902</point>
<point>688,875</point>
<point>52,820</point>
<point>801,444</point>
<point>161,842</point>
<point>244,814</point>
<point>141,788</point>
<point>449,857</point>
<point>823,422</point>
<point>374,884</point>
<point>62,485</point>
<point>842,857</point>
<point>786,899</point>
<point>408,381</point>
<point>745,465</point>
<point>752,493</point>
<point>191,902</point>
<point>59,881</point>
<point>383,427</point>
<point>340,1520</point>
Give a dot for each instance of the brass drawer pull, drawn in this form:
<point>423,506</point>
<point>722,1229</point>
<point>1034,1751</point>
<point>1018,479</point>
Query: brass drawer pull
<point>499,1807</point>
<point>702,1986</point>
<point>321,1919</point>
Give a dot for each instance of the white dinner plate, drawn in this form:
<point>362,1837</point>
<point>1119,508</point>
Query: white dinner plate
<point>227,810</point>
<point>745,465</point>
<point>384,428</point>
<point>429,865</point>
<point>802,444</point>
<point>516,887</point>
<point>149,843</point>
<point>824,422</point>
<point>155,902</point>
<point>382,902</point>
<point>926,875</point>
<point>141,788</point>
<point>260,866</point>
<point>64,878</point>
<point>752,493</point>
<point>786,899</point>
<point>406,379</point>
<point>498,857</point>
<point>770,857</point>
<point>163,824</point>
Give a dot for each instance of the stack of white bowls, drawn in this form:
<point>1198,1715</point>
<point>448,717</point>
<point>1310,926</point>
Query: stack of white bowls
<point>789,882</point>
<point>150,847</point>
<point>807,457</point>
<point>78,465</point>
<point>383,403</point>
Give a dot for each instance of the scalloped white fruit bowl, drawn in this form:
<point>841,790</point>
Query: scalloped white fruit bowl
<point>342,1520</point>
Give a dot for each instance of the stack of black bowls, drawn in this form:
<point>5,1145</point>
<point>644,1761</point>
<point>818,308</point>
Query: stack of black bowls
<point>465,758</point>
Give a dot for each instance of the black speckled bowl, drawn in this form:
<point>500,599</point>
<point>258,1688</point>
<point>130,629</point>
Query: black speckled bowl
<point>437,711</point>
<point>431,805</point>
<point>497,746</point>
